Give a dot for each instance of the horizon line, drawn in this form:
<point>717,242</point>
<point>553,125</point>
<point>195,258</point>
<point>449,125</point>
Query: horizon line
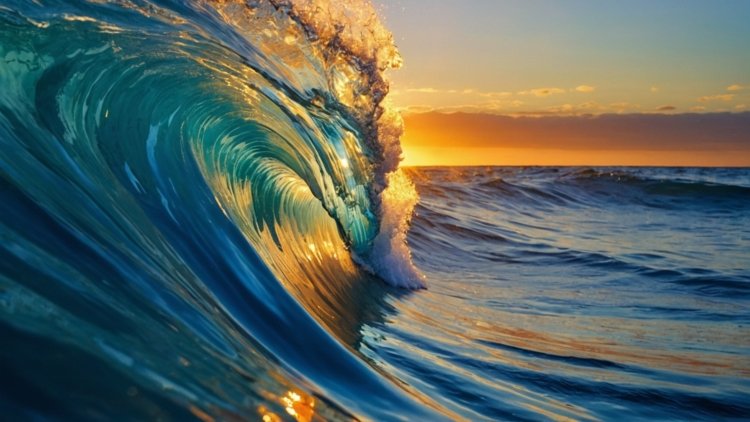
<point>573,166</point>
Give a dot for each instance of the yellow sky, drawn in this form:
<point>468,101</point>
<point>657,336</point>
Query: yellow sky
<point>717,139</point>
<point>421,156</point>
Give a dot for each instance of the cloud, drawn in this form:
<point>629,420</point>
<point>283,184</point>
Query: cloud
<point>589,105</point>
<point>563,109</point>
<point>740,107</point>
<point>466,91</point>
<point>697,108</point>
<point>655,89</point>
<point>419,109</point>
<point>719,97</point>
<point>495,94</point>
<point>735,87</point>
<point>512,107</point>
<point>622,105</point>
<point>537,101</point>
<point>423,90</point>
<point>543,92</point>
<point>588,108</point>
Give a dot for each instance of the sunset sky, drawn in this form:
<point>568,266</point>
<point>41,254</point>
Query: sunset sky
<point>547,63</point>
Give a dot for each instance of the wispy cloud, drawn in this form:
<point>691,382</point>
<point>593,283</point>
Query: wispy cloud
<point>553,100</point>
<point>465,91</point>
<point>623,106</point>
<point>500,94</point>
<point>654,89</point>
<point>542,92</point>
<point>589,108</point>
<point>736,87</point>
<point>563,109</point>
<point>415,109</point>
<point>719,97</point>
<point>424,90</point>
<point>516,107</point>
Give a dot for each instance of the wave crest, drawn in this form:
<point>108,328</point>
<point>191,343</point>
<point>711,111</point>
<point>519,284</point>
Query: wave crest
<point>345,43</point>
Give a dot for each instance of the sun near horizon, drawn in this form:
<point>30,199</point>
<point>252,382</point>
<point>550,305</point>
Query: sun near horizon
<point>691,140</point>
<point>458,157</point>
<point>588,83</point>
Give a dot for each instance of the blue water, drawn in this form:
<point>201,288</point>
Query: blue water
<point>588,293</point>
<point>201,219</point>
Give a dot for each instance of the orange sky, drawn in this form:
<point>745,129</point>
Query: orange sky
<point>716,139</point>
<point>419,156</point>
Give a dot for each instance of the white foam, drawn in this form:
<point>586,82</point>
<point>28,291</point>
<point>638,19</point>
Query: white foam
<point>391,257</point>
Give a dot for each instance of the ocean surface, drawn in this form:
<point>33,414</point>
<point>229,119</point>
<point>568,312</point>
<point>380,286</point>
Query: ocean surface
<point>202,218</point>
<point>582,293</point>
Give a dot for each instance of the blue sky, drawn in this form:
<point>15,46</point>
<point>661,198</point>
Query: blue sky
<point>571,57</point>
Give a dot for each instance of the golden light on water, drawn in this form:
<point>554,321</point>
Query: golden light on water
<point>296,404</point>
<point>299,407</point>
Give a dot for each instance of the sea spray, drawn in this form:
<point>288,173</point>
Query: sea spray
<point>391,257</point>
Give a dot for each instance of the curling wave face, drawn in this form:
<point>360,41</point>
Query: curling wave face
<point>191,179</point>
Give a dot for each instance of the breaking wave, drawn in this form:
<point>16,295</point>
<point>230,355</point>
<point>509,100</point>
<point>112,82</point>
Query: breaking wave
<point>183,179</point>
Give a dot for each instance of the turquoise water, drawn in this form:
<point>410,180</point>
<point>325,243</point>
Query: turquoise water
<point>201,220</point>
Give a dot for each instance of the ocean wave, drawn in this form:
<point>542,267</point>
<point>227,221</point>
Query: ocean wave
<point>547,187</point>
<point>664,186</point>
<point>208,174</point>
<point>199,201</point>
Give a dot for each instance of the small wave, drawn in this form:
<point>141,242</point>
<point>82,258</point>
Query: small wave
<point>717,285</point>
<point>695,186</point>
<point>572,360</point>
